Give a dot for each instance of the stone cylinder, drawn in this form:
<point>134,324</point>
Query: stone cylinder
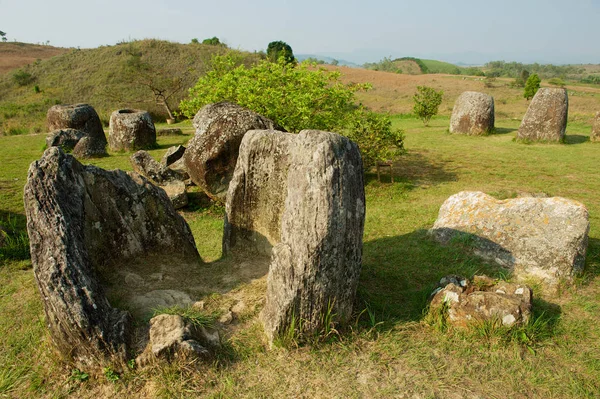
<point>130,130</point>
<point>473,114</point>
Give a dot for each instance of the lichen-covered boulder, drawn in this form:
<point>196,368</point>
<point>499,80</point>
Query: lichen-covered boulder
<point>473,114</point>
<point>304,196</point>
<point>595,135</point>
<point>546,117</point>
<point>212,153</point>
<point>143,163</point>
<point>83,118</point>
<point>539,239</point>
<point>482,300</point>
<point>171,336</point>
<point>84,223</point>
<point>131,129</point>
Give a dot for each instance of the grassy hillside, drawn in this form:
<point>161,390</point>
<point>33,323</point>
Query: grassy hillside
<point>390,350</point>
<point>102,77</point>
<point>434,66</point>
<point>15,54</point>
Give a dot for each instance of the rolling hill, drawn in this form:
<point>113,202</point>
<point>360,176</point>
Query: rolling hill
<point>15,55</point>
<point>108,78</point>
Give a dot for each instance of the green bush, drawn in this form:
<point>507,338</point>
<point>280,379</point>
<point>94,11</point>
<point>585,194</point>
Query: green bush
<point>427,101</point>
<point>557,82</point>
<point>532,86</point>
<point>22,78</point>
<point>297,97</point>
<point>213,41</point>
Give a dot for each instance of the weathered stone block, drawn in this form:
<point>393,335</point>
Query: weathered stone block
<point>131,129</point>
<point>473,114</point>
<point>546,117</point>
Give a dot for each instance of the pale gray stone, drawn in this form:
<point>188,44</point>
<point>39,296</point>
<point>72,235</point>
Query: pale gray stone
<point>546,117</point>
<point>304,196</point>
<point>473,114</point>
<point>539,239</point>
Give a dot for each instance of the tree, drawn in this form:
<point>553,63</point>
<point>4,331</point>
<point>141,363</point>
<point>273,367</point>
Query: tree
<point>3,34</point>
<point>213,41</point>
<point>302,97</point>
<point>427,102</point>
<point>532,86</point>
<point>523,76</point>
<point>278,49</point>
<point>195,41</point>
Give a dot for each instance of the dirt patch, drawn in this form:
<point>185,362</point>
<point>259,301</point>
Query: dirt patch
<point>16,55</point>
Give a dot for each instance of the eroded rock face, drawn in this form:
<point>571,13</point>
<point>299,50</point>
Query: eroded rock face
<point>131,129</point>
<point>212,153</point>
<point>171,336</point>
<point>595,136</point>
<point>84,223</point>
<point>473,114</point>
<point>482,300</point>
<point>83,118</point>
<point>539,239</point>
<point>546,117</point>
<point>304,195</point>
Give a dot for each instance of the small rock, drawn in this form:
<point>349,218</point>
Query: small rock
<point>226,318</point>
<point>172,155</point>
<point>143,163</point>
<point>239,307</point>
<point>199,305</point>
<point>480,301</point>
<point>176,192</point>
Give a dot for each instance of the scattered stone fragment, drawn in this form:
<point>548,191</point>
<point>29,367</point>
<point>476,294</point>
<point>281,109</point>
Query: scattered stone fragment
<point>143,163</point>
<point>130,130</point>
<point>595,136</point>
<point>304,195</point>
<point>172,155</point>
<point>169,131</point>
<point>212,153</point>
<point>473,114</point>
<point>171,336</point>
<point>176,192</point>
<point>227,318</point>
<point>83,223</point>
<point>80,117</point>
<point>482,300</point>
<point>539,239</point>
<point>546,117</point>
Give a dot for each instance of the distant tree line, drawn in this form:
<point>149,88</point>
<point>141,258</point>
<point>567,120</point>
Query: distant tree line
<point>544,71</point>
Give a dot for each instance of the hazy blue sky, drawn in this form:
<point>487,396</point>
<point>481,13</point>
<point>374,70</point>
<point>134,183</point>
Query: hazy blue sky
<point>359,31</point>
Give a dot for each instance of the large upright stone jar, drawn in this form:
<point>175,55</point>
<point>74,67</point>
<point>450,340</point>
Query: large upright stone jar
<point>473,114</point>
<point>89,139</point>
<point>546,117</point>
<point>130,130</point>
<point>595,136</point>
<point>301,198</point>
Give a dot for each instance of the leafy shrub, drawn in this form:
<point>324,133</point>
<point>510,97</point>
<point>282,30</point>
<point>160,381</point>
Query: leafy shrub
<point>591,79</point>
<point>22,78</point>
<point>557,82</point>
<point>297,97</point>
<point>427,101</point>
<point>213,41</point>
<point>532,86</point>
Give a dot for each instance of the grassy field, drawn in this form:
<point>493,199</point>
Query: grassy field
<point>390,350</point>
<point>393,93</point>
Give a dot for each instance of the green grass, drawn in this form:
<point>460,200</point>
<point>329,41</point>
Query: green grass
<point>434,66</point>
<point>389,350</point>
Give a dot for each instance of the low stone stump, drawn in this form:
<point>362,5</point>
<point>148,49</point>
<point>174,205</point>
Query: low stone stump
<point>131,129</point>
<point>595,135</point>
<point>299,198</point>
<point>542,240</point>
<point>173,159</point>
<point>212,153</point>
<point>88,141</point>
<point>100,237</point>
<point>546,117</point>
<point>482,300</point>
<point>473,114</point>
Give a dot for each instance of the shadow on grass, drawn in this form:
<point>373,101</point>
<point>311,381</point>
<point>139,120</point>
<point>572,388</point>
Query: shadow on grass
<point>576,139</point>
<point>504,130</point>
<point>399,273</point>
<point>415,169</point>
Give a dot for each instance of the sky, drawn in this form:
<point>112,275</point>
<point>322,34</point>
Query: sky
<point>471,32</point>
